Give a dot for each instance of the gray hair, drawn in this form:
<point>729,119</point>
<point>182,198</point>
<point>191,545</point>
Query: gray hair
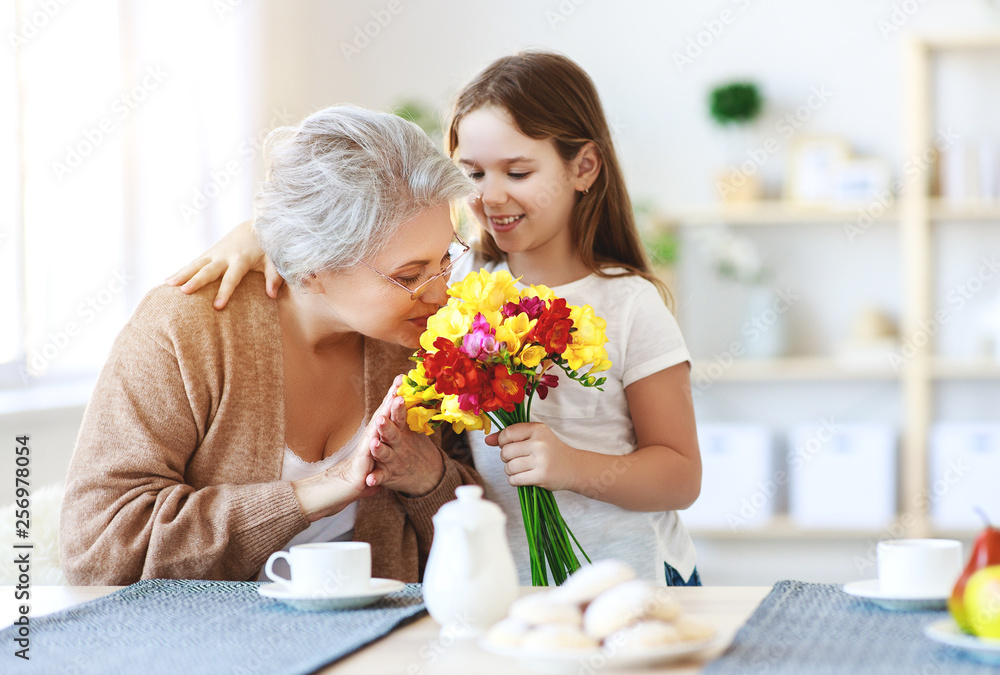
<point>344,181</point>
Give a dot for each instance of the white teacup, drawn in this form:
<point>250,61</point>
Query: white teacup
<point>325,568</point>
<point>919,568</point>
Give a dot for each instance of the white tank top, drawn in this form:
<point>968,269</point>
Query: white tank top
<point>339,526</point>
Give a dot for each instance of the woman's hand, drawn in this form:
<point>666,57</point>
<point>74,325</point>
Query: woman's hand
<point>332,490</point>
<point>405,461</point>
<point>236,254</point>
<point>534,455</point>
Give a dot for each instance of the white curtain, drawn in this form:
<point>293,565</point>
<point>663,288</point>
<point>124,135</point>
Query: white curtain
<point>131,140</point>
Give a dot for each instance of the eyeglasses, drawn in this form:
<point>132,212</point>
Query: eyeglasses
<point>456,250</point>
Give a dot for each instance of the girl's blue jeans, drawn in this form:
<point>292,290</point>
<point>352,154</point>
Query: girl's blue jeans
<point>674,577</point>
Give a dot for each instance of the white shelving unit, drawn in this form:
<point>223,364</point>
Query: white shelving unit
<point>916,215</point>
<point>797,368</point>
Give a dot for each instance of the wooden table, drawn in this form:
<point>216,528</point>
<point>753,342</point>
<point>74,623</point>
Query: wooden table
<point>419,649</point>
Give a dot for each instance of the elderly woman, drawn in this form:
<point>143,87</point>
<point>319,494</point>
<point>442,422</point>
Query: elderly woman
<point>213,439</point>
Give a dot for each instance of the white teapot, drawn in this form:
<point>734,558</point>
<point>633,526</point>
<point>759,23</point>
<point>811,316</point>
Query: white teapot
<point>470,580</point>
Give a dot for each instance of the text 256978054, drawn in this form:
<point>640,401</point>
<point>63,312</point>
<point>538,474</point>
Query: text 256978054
<point>22,551</point>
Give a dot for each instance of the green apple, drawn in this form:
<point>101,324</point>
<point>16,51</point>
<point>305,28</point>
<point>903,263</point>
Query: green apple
<point>982,602</point>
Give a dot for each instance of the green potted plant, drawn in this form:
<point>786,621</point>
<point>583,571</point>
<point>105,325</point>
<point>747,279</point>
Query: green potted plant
<point>735,103</point>
<point>734,106</point>
<point>659,240</point>
<point>662,248</point>
<point>421,114</point>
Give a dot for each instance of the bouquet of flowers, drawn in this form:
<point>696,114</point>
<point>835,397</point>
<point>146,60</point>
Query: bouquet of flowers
<point>483,358</point>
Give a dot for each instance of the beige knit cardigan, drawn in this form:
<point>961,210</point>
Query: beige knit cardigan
<point>177,469</point>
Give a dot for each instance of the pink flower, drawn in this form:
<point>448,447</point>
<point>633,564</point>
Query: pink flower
<point>481,325</point>
<point>470,403</point>
<point>533,307</point>
<point>481,340</point>
<point>478,346</point>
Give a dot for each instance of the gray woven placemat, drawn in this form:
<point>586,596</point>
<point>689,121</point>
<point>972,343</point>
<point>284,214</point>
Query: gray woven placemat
<point>187,626</point>
<point>817,629</point>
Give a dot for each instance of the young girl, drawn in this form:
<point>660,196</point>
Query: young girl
<point>531,133</point>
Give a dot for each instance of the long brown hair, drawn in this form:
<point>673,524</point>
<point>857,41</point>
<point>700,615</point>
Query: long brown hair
<point>548,96</point>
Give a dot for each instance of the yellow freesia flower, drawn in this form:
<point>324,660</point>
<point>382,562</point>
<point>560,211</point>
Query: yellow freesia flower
<point>513,331</point>
<point>600,365</point>
<point>590,328</point>
<point>414,380</point>
<point>577,356</point>
<point>419,418</point>
<point>485,292</point>
<point>539,291</point>
<point>449,322</point>
<point>460,420</point>
<point>426,395</point>
<point>586,345</point>
<point>531,356</point>
<point>415,388</point>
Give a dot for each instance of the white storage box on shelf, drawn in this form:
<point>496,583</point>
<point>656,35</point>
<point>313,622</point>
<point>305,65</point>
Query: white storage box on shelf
<point>738,486</point>
<point>964,470</point>
<point>842,476</point>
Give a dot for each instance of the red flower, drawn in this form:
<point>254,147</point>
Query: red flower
<point>556,338</point>
<point>504,390</point>
<point>553,328</point>
<point>451,371</point>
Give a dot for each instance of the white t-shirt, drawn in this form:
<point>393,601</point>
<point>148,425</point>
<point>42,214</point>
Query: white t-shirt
<point>339,526</point>
<point>643,338</point>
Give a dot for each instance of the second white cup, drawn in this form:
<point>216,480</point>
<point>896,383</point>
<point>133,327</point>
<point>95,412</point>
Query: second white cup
<point>919,568</point>
<point>326,568</point>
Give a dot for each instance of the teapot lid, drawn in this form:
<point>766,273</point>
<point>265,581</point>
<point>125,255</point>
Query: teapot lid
<point>470,509</point>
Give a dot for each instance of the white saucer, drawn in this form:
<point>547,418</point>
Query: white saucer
<point>340,600</point>
<point>871,590</point>
<point>946,631</point>
<point>573,660</point>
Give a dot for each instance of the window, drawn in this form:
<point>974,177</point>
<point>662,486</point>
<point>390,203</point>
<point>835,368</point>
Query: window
<point>132,129</point>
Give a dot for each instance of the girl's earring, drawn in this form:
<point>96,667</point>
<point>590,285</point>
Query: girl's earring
<point>586,190</point>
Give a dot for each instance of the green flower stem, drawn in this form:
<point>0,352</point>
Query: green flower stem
<point>549,537</point>
<point>538,531</point>
<point>560,542</point>
<point>575,541</point>
<point>532,555</point>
